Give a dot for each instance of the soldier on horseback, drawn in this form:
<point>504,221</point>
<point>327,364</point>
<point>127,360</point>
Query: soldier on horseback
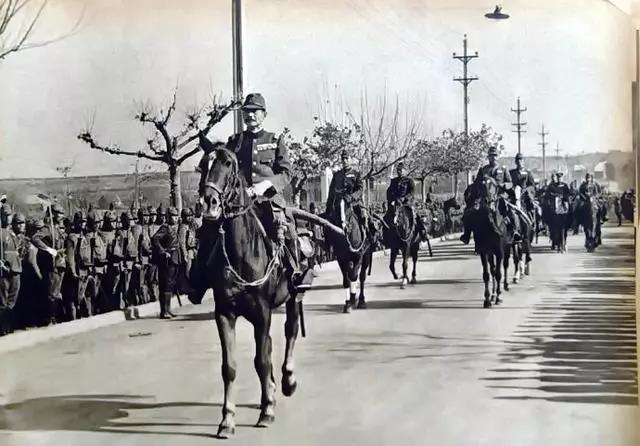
<point>346,185</point>
<point>589,188</point>
<point>400,193</point>
<point>263,161</point>
<point>503,179</point>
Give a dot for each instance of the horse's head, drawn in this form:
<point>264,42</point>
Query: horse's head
<point>220,183</point>
<point>488,190</point>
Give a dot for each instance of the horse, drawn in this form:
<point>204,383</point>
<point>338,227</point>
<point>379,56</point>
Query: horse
<point>245,268</point>
<point>352,251</point>
<point>491,236</point>
<point>588,216</point>
<point>400,236</point>
<point>448,206</point>
<point>528,222</point>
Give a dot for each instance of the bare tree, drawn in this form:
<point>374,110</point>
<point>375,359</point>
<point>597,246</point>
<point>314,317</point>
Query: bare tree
<point>18,21</point>
<point>171,150</point>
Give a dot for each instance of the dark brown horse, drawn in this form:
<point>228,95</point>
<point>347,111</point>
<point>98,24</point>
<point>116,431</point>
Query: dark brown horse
<point>491,236</point>
<point>352,251</point>
<point>247,273</point>
<point>401,237</point>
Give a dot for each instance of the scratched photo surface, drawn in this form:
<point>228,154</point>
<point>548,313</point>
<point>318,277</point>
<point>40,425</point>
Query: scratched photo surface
<point>318,222</point>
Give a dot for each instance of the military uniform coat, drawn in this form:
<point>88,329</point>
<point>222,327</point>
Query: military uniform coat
<point>522,178</point>
<point>164,242</point>
<point>12,246</point>
<point>400,189</point>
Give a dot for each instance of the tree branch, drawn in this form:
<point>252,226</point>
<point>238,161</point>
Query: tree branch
<point>115,150</point>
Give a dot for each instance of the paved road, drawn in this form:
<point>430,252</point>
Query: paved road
<point>554,365</point>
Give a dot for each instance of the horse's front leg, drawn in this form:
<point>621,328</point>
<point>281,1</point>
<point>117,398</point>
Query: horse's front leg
<point>393,254</point>
<point>486,276</point>
<point>405,265</point>
<point>414,258</point>
<point>504,264</point>
<point>500,264</point>
<point>264,368</point>
<point>226,324</point>
<point>366,262</point>
<point>517,258</point>
<point>291,326</point>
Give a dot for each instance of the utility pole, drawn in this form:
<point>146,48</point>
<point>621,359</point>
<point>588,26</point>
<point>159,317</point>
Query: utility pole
<point>558,154</point>
<point>544,155</point>
<point>64,170</point>
<point>465,80</point>
<point>136,187</point>
<point>236,17</point>
<point>519,130</point>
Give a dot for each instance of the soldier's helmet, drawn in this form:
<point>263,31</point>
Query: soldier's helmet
<point>186,212</point>
<point>400,165</point>
<point>344,155</point>
<point>38,223</point>
<point>151,211</point>
<point>110,216</point>
<point>5,210</point>
<point>57,209</point>
<point>78,218</point>
<point>142,213</point>
<point>254,101</point>
<point>161,211</point>
<point>126,217</point>
<point>519,156</point>
<point>493,151</point>
<point>19,218</point>
<point>172,211</point>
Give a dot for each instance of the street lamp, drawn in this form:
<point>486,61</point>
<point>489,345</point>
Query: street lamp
<point>497,14</point>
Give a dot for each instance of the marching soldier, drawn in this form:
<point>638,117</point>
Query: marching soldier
<point>151,278</point>
<point>503,178</point>
<point>263,161</point>
<point>132,283</point>
<point>79,263</point>
<point>98,277</point>
<point>50,242</point>
<point>144,250</point>
<point>167,256</point>
<point>114,245</point>
<point>188,246</point>
<point>400,193</point>
<point>12,230</point>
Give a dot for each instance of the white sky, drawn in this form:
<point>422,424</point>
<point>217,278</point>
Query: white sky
<point>571,61</point>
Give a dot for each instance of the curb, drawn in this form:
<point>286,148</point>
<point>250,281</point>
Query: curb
<point>34,336</point>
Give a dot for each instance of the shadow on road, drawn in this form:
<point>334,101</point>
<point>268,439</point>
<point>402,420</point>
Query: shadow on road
<point>579,343</point>
<point>98,413</point>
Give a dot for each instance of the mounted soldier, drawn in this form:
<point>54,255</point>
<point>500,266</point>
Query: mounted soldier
<point>503,180</point>
<point>263,163</point>
<point>589,188</point>
<point>400,193</point>
<point>521,176</point>
<point>347,185</point>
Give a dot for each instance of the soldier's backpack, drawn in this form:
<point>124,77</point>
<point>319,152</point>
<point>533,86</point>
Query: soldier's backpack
<point>117,247</point>
<point>83,247</point>
<point>99,249</point>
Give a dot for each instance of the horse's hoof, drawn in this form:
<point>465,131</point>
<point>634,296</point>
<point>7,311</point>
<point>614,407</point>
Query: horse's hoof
<point>487,303</point>
<point>347,308</point>
<point>527,270</point>
<point>289,386</point>
<point>506,286</point>
<point>498,301</point>
<point>226,431</point>
<point>413,281</point>
<point>362,305</point>
<point>395,276</point>
<point>403,284</point>
<point>265,420</point>
<point>515,281</point>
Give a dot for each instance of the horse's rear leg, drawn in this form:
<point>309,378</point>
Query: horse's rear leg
<point>486,277</point>
<point>264,368</point>
<point>504,263</point>
<point>291,326</point>
<point>498,272</point>
<point>517,262</point>
<point>227,331</point>
<point>392,262</point>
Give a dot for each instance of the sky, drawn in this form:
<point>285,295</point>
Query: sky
<point>570,61</point>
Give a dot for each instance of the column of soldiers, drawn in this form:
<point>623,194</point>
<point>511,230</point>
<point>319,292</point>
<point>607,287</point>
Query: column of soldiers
<point>55,269</point>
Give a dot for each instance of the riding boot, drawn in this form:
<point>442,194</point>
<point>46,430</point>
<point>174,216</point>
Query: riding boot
<point>466,236</point>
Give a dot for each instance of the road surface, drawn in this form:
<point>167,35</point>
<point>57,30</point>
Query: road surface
<point>554,365</point>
